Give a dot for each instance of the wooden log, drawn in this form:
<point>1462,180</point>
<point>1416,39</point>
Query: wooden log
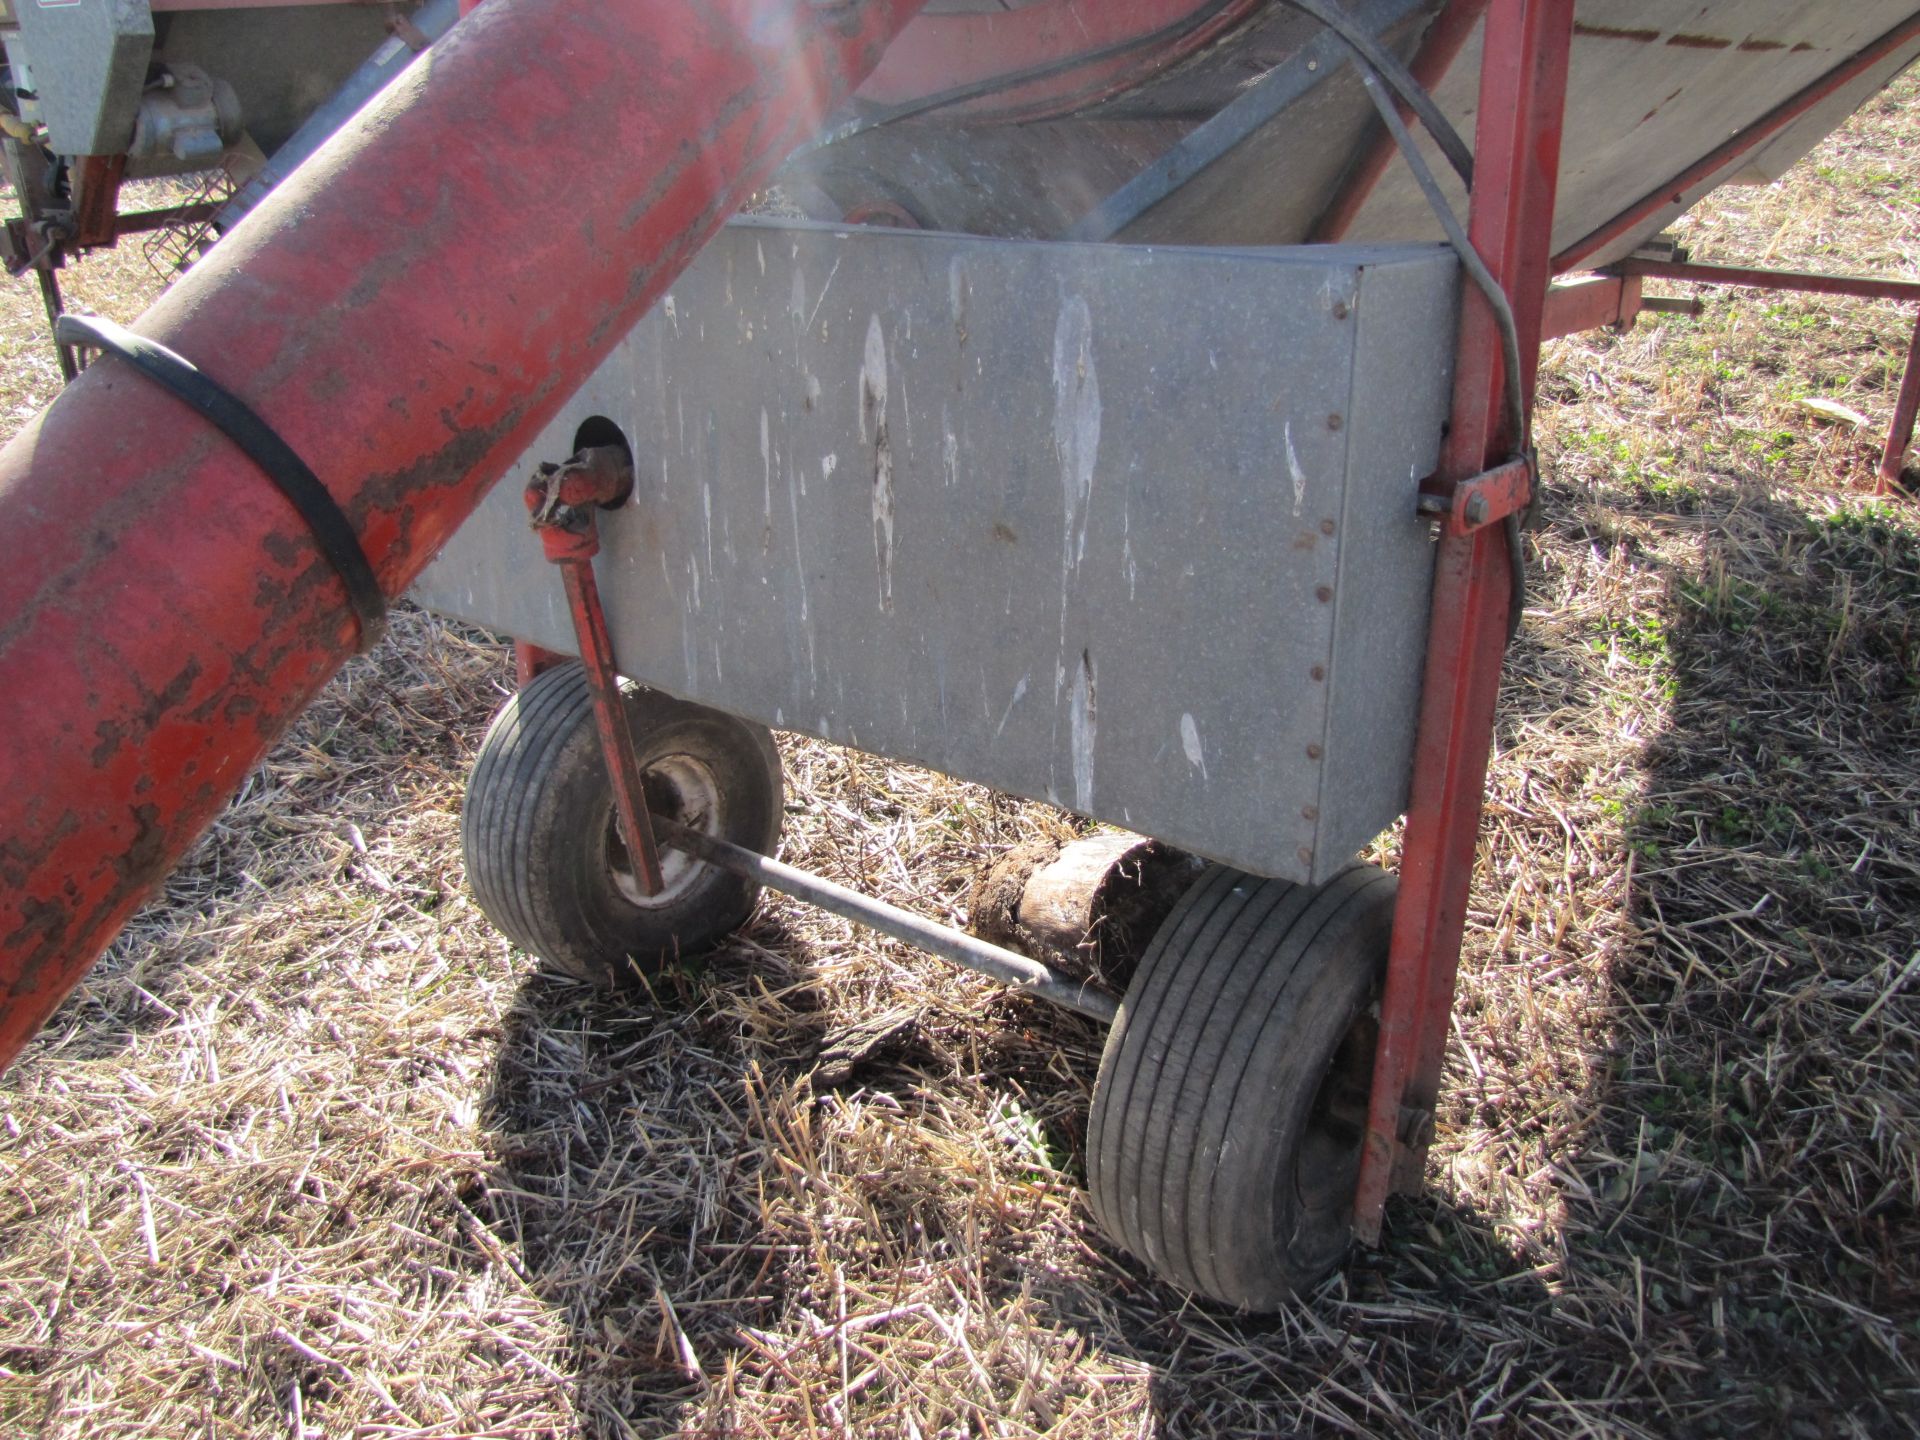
<point>1090,907</point>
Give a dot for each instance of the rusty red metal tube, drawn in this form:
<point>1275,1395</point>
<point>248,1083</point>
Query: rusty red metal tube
<point>1859,287</point>
<point>407,311</point>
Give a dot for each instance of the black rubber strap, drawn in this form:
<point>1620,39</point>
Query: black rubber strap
<point>331,529</point>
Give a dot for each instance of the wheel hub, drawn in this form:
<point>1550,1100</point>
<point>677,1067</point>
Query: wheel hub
<point>679,788</point>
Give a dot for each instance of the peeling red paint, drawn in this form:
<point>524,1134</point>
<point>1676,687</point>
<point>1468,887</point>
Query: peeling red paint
<point>1610,32</point>
<point>1699,42</point>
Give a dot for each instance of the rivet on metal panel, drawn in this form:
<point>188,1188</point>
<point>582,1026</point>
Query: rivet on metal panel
<point>1324,594</point>
<point>1314,752</point>
<point>1306,856</point>
<point>1309,812</point>
<point>1340,310</point>
<point>1327,527</point>
<point>1334,422</point>
<point>1318,672</point>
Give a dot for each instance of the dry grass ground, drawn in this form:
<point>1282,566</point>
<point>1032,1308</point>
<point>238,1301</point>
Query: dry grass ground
<point>314,1153</point>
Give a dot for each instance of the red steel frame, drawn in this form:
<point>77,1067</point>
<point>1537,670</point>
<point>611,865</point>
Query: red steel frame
<point>1860,287</point>
<point>1517,145</point>
<point>1523,85</point>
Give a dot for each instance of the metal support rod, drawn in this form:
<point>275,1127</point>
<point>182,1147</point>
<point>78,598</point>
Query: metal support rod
<point>1523,82</point>
<point>610,719</point>
<point>1298,75</point>
<point>431,20</point>
<point>1008,967</point>
<point>1900,434</point>
<point>1749,138</point>
<point>1861,287</point>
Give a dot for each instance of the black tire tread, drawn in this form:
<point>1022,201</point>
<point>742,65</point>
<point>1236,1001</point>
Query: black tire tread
<point>1203,1029</point>
<point>1108,1142</point>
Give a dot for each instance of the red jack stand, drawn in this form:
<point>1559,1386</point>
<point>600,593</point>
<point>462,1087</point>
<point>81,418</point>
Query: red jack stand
<point>562,501</point>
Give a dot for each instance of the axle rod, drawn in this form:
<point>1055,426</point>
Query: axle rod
<point>1009,968</point>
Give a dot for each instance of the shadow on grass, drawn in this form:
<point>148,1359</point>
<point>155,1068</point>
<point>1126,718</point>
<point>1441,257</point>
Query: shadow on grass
<point>629,1149</point>
<point>1750,1178</point>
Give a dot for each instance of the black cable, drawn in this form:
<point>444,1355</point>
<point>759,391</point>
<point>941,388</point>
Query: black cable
<point>1411,91</point>
<point>331,529</point>
<point>1457,237</point>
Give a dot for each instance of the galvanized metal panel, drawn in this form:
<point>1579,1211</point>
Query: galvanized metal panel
<point>89,64</point>
<point>1654,87</point>
<point>1652,90</point>
<point>1078,522</point>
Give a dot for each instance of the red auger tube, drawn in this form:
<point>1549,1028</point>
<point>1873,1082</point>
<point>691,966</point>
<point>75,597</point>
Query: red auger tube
<point>407,312</point>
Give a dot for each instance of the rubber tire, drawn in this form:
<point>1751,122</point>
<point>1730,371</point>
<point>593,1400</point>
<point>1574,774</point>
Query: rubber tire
<point>1212,1152</point>
<point>539,836</point>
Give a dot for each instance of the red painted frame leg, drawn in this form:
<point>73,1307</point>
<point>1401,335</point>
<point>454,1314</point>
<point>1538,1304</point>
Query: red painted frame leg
<point>1523,86</point>
<point>530,659</point>
<point>1900,434</point>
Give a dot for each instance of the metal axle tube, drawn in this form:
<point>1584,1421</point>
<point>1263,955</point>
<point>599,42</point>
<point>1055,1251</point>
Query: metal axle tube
<point>1006,966</point>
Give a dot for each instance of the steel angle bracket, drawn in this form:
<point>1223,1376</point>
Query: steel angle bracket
<point>1486,499</point>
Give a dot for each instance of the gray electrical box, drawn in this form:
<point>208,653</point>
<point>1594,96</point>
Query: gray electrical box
<point>1130,529</point>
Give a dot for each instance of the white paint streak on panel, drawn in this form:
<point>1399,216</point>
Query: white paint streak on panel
<point>706,510</point>
<point>1019,693</point>
<point>1076,419</point>
<point>1084,717</point>
<point>1076,444</point>
<point>1190,742</point>
<point>873,429</point>
<point>1293,468</point>
<point>794,490</point>
<point>823,296</point>
<point>766,460</point>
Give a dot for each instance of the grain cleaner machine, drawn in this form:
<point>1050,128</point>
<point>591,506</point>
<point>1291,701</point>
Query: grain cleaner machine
<point>1127,408</point>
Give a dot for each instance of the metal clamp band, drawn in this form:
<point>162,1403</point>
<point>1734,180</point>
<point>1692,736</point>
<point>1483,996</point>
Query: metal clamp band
<point>331,529</point>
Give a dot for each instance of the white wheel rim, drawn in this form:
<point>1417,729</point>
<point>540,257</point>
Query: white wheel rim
<point>680,788</point>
